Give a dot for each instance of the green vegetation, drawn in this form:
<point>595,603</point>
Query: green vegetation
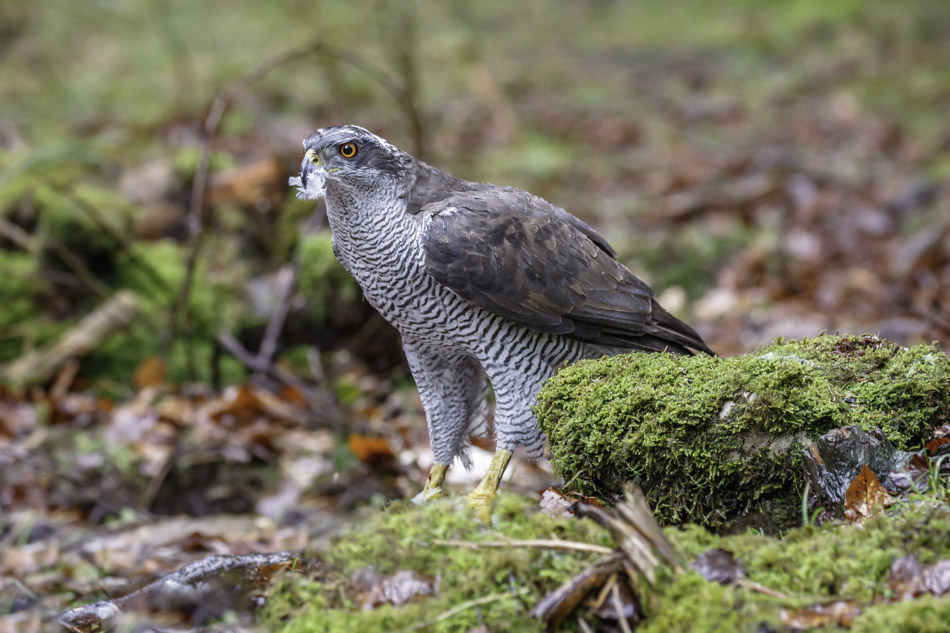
<point>402,538</point>
<point>322,280</point>
<point>808,565</point>
<point>717,441</point>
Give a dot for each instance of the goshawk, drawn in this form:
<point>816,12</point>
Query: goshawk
<point>482,282</point>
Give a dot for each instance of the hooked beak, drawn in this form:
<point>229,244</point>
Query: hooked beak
<point>311,184</point>
<point>310,160</point>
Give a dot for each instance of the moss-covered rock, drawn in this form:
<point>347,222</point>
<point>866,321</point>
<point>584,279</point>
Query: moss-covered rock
<point>717,440</point>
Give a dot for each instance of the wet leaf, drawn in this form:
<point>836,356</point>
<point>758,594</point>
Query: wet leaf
<point>370,450</point>
<point>150,373</point>
<point>934,445</point>
<point>840,612</point>
<point>865,494</point>
<point>556,503</point>
<point>908,578</point>
<point>373,589</point>
<point>719,565</point>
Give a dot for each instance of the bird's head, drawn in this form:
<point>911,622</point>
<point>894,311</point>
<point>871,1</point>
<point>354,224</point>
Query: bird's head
<point>349,157</point>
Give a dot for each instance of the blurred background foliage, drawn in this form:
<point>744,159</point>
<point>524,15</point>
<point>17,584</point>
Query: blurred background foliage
<point>772,169</point>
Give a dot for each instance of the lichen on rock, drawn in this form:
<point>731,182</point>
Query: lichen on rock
<point>717,441</point>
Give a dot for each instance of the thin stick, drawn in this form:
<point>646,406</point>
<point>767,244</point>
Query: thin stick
<point>538,543</point>
<point>320,408</point>
<point>754,586</point>
<point>210,126</point>
<point>445,615</point>
<point>618,605</point>
<point>602,596</point>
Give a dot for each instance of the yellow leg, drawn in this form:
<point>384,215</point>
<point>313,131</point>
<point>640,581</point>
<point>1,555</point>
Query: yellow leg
<point>433,489</point>
<point>481,498</point>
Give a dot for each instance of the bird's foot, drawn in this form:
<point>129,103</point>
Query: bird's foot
<point>433,488</point>
<point>480,500</point>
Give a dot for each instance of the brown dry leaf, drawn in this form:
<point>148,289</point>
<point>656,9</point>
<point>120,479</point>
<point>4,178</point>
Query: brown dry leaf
<point>292,395</point>
<point>21,560</point>
<point>557,503</point>
<point>16,418</point>
<point>150,373</point>
<point>251,185</point>
<point>373,589</point>
<point>840,612</point>
<point>369,449</point>
<point>934,445</point>
<point>908,578</point>
<point>865,493</point>
<point>917,468</point>
<point>719,565</point>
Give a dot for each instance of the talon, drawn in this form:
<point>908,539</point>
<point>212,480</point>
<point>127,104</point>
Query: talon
<point>481,502</point>
<point>433,487</point>
<point>481,499</point>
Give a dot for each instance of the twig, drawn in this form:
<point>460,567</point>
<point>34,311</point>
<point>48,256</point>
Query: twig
<point>110,316</point>
<point>210,126</point>
<point>319,407</point>
<point>604,591</point>
<point>81,271</point>
<point>538,543</point>
<point>120,240</point>
<point>754,586</point>
<point>17,235</point>
<point>276,322</point>
<point>618,606</point>
<point>445,615</point>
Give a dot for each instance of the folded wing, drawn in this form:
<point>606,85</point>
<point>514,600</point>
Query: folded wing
<point>517,255</point>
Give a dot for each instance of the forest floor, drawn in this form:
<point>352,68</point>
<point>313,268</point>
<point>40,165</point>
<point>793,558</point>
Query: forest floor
<point>186,371</point>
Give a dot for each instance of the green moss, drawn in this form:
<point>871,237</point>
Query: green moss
<point>402,538</point>
<point>927,614</point>
<point>690,603</point>
<point>716,440</point>
<point>810,566</point>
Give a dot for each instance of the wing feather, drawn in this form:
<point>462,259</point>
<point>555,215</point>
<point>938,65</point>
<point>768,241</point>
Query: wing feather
<point>519,256</point>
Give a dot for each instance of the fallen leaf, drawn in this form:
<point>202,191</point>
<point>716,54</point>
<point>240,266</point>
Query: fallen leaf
<point>866,493</point>
<point>903,578</point>
<point>840,612</point>
<point>369,449</point>
<point>934,445</point>
<point>719,565</point>
<point>908,578</point>
<point>556,503</point>
<point>259,183</point>
<point>150,372</point>
<point>372,589</point>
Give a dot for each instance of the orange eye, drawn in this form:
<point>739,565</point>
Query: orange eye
<point>348,150</point>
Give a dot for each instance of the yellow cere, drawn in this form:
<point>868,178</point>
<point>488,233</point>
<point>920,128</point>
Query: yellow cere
<point>312,155</point>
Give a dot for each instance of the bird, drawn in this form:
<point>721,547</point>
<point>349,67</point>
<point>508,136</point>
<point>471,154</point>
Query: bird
<point>487,285</point>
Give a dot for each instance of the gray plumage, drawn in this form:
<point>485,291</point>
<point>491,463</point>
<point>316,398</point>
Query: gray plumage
<point>480,281</point>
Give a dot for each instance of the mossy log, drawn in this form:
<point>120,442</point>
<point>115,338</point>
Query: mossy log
<point>718,441</point>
